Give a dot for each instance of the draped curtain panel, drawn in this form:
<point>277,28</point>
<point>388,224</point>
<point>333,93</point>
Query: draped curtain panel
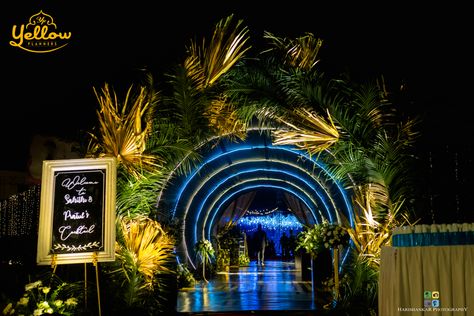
<point>298,208</point>
<point>237,209</point>
<point>427,280</point>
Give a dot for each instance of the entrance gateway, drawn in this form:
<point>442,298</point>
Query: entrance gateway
<point>205,198</point>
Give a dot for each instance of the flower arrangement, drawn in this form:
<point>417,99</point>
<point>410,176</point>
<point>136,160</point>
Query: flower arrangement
<point>322,236</point>
<point>205,253</point>
<point>204,246</point>
<point>39,299</point>
<point>333,236</point>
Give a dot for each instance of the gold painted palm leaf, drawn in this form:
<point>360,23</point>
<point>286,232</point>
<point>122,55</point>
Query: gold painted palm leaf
<point>145,247</point>
<point>372,229</point>
<point>307,131</point>
<point>223,118</point>
<point>207,63</point>
<point>301,52</point>
<point>124,128</point>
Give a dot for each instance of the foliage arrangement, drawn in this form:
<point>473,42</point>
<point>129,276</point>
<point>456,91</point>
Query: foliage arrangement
<point>332,235</point>
<point>227,244</point>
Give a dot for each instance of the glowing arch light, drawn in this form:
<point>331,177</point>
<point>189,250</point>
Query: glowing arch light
<point>231,169</point>
<point>262,170</point>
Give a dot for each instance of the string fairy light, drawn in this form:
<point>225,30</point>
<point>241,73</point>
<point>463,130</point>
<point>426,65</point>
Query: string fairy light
<point>269,222</point>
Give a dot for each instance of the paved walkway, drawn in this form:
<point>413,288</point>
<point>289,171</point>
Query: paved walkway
<point>275,287</point>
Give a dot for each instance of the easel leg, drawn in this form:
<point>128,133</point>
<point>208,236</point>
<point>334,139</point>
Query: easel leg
<point>96,264</point>
<point>85,285</point>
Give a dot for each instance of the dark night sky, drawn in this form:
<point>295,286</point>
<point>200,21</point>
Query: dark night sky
<point>427,48</point>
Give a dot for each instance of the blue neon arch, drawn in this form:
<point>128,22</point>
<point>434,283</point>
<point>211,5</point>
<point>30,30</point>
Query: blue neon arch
<point>199,197</point>
<point>268,167</point>
<point>270,174</point>
<point>219,210</point>
<point>220,207</point>
<point>217,203</point>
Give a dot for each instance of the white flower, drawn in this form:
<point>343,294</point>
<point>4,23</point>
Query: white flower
<point>49,311</point>
<point>33,285</point>
<point>58,303</point>
<point>44,305</point>
<point>24,301</point>
<point>8,309</point>
<point>38,311</point>
<point>71,301</point>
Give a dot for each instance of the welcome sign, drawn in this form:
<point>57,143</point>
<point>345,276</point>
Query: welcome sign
<point>77,213</point>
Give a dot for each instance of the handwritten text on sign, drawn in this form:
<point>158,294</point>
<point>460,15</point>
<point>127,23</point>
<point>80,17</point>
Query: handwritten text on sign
<point>78,211</point>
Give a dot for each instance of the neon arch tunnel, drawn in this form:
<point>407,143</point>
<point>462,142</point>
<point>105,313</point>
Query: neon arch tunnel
<point>206,198</point>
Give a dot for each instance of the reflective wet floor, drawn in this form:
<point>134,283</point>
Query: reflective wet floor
<point>277,286</point>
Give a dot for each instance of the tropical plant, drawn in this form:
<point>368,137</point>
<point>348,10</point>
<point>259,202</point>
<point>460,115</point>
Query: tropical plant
<point>205,253</point>
<point>372,230</point>
<point>306,130</point>
<point>144,259</point>
<point>137,196</point>
<point>359,286</point>
<point>124,128</point>
<point>374,159</point>
<point>200,109</point>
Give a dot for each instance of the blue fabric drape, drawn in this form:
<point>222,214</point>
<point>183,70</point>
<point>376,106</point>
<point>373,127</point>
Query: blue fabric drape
<point>433,239</point>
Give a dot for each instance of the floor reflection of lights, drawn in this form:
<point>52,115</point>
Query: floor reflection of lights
<point>276,286</point>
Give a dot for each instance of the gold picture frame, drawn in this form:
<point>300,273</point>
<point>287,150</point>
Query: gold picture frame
<point>77,211</point>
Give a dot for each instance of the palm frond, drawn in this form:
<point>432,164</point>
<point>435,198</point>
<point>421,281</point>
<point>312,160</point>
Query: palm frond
<point>167,143</point>
<point>124,128</point>
<point>137,196</point>
<point>308,131</point>
<point>146,248</point>
<point>301,52</point>
<point>207,63</point>
<point>187,105</point>
<point>224,119</point>
<point>373,230</point>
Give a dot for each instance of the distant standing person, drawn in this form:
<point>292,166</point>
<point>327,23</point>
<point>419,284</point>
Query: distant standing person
<point>261,241</point>
<point>291,244</point>
<point>284,246</point>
